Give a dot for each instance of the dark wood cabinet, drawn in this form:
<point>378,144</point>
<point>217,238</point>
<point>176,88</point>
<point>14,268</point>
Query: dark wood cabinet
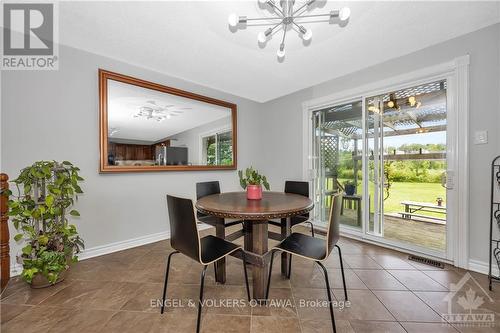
<point>122,151</point>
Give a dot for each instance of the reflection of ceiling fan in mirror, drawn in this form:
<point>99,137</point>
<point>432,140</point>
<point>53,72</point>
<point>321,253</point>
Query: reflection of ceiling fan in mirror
<point>151,110</point>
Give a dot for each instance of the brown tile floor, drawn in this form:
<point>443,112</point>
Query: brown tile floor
<point>113,293</point>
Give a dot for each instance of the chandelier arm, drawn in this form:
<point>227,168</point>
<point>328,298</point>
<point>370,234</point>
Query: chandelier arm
<point>295,24</point>
<point>264,18</point>
<point>276,8</point>
<point>275,26</point>
<point>313,15</point>
<point>284,34</point>
<point>270,30</point>
<point>297,14</point>
<point>310,2</point>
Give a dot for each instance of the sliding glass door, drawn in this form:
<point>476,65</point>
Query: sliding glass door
<point>374,161</point>
<point>337,146</point>
<point>387,153</point>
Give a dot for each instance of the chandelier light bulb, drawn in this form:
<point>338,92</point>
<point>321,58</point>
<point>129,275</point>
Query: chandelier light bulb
<point>307,35</point>
<point>283,19</point>
<point>344,13</point>
<point>233,20</point>
<point>281,53</point>
<point>261,37</point>
<point>169,116</point>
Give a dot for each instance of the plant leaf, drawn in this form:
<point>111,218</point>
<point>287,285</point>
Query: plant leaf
<point>49,200</point>
<point>74,212</point>
<point>27,249</point>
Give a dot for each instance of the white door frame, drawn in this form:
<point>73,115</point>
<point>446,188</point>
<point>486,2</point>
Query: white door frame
<point>456,72</point>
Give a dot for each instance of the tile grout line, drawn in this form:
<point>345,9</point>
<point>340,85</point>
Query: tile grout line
<point>423,301</point>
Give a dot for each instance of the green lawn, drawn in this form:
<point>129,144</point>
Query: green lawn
<point>422,192</point>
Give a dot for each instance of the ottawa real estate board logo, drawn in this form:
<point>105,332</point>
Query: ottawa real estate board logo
<point>30,36</point>
<point>469,305</point>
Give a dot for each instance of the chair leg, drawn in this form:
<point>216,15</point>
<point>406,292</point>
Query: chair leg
<point>342,271</point>
<point>246,274</point>
<point>289,267</point>
<point>202,282</point>
<point>328,291</point>
<point>270,272</point>
<point>312,228</point>
<point>215,271</point>
<point>162,308</point>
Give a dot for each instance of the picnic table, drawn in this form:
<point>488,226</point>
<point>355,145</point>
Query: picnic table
<point>413,208</point>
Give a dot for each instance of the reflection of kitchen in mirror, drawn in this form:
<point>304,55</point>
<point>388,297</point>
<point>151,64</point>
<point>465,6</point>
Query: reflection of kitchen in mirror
<point>147,127</point>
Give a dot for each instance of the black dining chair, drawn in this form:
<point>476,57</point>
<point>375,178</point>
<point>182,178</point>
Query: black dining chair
<point>208,188</point>
<point>301,188</point>
<point>185,239</point>
<point>315,249</point>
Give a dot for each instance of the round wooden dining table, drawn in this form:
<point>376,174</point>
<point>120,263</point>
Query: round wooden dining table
<point>256,214</point>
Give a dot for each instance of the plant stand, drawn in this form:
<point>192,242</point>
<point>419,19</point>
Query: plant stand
<point>494,219</point>
<point>46,191</point>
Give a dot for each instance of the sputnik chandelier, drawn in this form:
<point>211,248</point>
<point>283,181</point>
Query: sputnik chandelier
<point>286,17</point>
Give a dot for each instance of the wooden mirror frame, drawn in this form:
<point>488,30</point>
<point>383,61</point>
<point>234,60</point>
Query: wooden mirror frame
<point>104,76</point>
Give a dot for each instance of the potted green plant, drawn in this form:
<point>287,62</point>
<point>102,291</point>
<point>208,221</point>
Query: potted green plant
<point>39,211</point>
<point>252,181</point>
<point>350,187</point>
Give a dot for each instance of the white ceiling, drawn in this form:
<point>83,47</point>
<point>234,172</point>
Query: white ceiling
<point>124,101</point>
<point>191,40</point>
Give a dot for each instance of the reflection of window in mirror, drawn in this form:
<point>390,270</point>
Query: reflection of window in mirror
<point>217,148</point>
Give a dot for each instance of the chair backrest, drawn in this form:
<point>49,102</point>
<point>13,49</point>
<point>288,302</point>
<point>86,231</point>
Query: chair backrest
<point>184,235</point>
<point>206,188</point>
<point>298,187</point>
<point>333,232</point>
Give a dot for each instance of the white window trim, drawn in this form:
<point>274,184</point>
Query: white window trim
<point>215,131</point>
<point>456,72</point>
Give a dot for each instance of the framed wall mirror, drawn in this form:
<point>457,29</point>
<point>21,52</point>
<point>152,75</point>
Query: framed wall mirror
<point>146,126</point>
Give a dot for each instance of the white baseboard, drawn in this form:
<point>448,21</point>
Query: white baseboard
<point>123,245</point>
<point>96,251</point>
<point>482,267</point>
<point>15,269</point>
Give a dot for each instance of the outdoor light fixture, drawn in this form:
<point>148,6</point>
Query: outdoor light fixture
<point>412,101</point>
<point>393,103</point>
<point>285,16</point>
<point>374,109</point>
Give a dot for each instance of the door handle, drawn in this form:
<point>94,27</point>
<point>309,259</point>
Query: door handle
<point>447,180</point>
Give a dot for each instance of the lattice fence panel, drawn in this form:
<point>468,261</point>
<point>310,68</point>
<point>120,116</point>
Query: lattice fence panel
<point>330,152</point>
